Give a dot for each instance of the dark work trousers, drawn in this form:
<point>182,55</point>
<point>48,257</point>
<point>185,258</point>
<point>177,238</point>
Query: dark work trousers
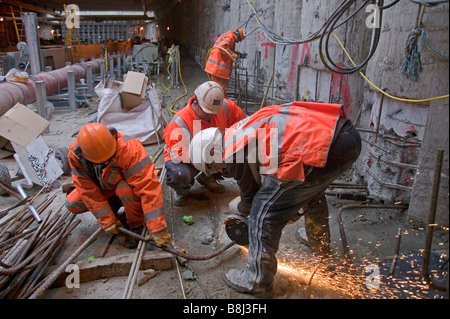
<point>277,202</point>
<point>180,176</point>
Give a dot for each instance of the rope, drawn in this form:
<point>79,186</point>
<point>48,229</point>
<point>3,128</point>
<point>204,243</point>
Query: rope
<point>412,63</point>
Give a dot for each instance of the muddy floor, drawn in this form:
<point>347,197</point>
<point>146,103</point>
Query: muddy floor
<point>372,236</point>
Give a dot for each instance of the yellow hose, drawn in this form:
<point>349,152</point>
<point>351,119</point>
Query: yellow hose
<point>185,89</point>
<point>228,53</point>
<point>380,90</point>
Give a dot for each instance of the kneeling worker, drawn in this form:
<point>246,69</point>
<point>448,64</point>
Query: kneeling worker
<point>111,169</point>
<point>208,108</point>
<point>283,159</point>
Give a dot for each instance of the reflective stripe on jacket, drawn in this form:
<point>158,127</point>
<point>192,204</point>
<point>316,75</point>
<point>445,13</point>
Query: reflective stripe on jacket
<point>219,63</point>
<point>287,137</point>
<point>130,163</point>
<point>185,124</point>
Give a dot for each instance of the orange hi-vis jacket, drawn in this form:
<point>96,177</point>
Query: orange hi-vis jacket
<point>130,163</point>
<point>219,63</point>
<point>186,124</point>
<point>288,137</point>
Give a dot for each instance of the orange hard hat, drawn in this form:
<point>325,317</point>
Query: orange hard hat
<point>96,142</point>
<point>241,33</point>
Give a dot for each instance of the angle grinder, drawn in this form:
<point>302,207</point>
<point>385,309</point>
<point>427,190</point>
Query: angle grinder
<point>236,227</point>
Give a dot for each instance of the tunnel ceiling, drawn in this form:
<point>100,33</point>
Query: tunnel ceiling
<point>97,5</point>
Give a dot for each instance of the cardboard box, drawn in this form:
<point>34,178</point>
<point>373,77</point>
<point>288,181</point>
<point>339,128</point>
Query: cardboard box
<point>133,89</point>
<point>6,149</point>
<point>22,125</point>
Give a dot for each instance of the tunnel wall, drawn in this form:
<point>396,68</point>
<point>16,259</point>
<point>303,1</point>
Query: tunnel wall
<point>401,131</point>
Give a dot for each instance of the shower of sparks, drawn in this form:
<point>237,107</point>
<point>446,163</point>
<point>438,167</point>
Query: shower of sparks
<point>320,280</point>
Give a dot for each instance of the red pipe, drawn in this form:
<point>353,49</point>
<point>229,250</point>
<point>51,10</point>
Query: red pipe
<point>12,93</point>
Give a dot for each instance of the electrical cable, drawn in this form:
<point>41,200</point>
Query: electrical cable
<point>330,27</point>
<point>383,92</point>
<point>316,35</point>
<point>429,3</point>
<point>181,78</point>
<point>278,39</point>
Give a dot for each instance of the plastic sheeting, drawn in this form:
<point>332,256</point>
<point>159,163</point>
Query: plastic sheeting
<point>143,122</point>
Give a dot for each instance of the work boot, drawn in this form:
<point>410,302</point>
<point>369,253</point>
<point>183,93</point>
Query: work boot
<point>238,207</point>
<point>180,200</point>
<point>301,237</point>
<point>320,248</point>
<point>238,280</point>
<point>210,183</point>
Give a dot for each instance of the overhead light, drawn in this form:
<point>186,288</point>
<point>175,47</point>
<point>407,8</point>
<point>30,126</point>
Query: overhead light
<point>168,28</point>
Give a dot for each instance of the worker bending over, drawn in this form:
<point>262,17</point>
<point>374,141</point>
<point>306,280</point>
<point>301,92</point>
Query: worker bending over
<point>111,169</point>
<point>283,158</point>
<point>208,108</point>
<point>221,57</point>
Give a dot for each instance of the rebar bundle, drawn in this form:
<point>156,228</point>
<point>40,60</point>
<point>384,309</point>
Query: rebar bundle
<point>27,249</point>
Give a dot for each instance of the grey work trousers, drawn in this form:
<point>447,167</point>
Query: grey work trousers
<point>277,202</point>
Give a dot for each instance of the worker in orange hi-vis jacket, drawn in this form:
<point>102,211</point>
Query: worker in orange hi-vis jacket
<point>111,169</point>
<point>283,158</point>
<point>221,57</point>
<point>208,108</point>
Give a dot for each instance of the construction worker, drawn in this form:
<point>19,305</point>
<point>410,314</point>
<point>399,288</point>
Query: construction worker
<point>283,159</point>
<point>221,57</point>
<point>111,169</point>
<point>207,108</point>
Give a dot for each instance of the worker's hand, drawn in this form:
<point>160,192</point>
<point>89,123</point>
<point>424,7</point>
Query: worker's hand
<point>114,228</point>
<point>161,238</point>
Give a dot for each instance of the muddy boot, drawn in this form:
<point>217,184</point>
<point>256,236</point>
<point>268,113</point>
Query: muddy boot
<point>210,183</point>
<point>238,207</point>
<point>180,200</point>
<point>239,281</point>
<point>301,237</point>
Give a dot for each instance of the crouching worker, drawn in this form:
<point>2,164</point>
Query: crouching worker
<point>283,159</point>
<point>111,169</point>
<point>208,108</point>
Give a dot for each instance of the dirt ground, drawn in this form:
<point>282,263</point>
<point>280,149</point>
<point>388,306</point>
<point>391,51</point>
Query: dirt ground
<point>371,235</point>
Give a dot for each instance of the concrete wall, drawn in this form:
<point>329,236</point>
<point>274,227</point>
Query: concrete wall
<point>396,132</point>
<point>399,162</point>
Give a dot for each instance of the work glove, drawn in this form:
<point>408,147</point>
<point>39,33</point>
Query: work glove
<point>161,238</point>
<point>114,228</point>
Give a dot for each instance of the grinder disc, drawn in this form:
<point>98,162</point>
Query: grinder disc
<point>236,228</point>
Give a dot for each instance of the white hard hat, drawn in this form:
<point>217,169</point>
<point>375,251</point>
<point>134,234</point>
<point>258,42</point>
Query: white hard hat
<point>210,97</point>
<point>206,148</point>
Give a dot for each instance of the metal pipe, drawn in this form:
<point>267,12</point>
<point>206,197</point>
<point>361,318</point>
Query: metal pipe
<point>176,252</point>
<point>71,91</point>
<point>89,80</point>
<point>41,98</point>
<point>345,245</point>
<point>136,265</point>
<point>381,182</point>
<point>431,224</point>
<point>30,206</point>
<point>34,49</point>
<point>49,280</point>
<point>12,93</point>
